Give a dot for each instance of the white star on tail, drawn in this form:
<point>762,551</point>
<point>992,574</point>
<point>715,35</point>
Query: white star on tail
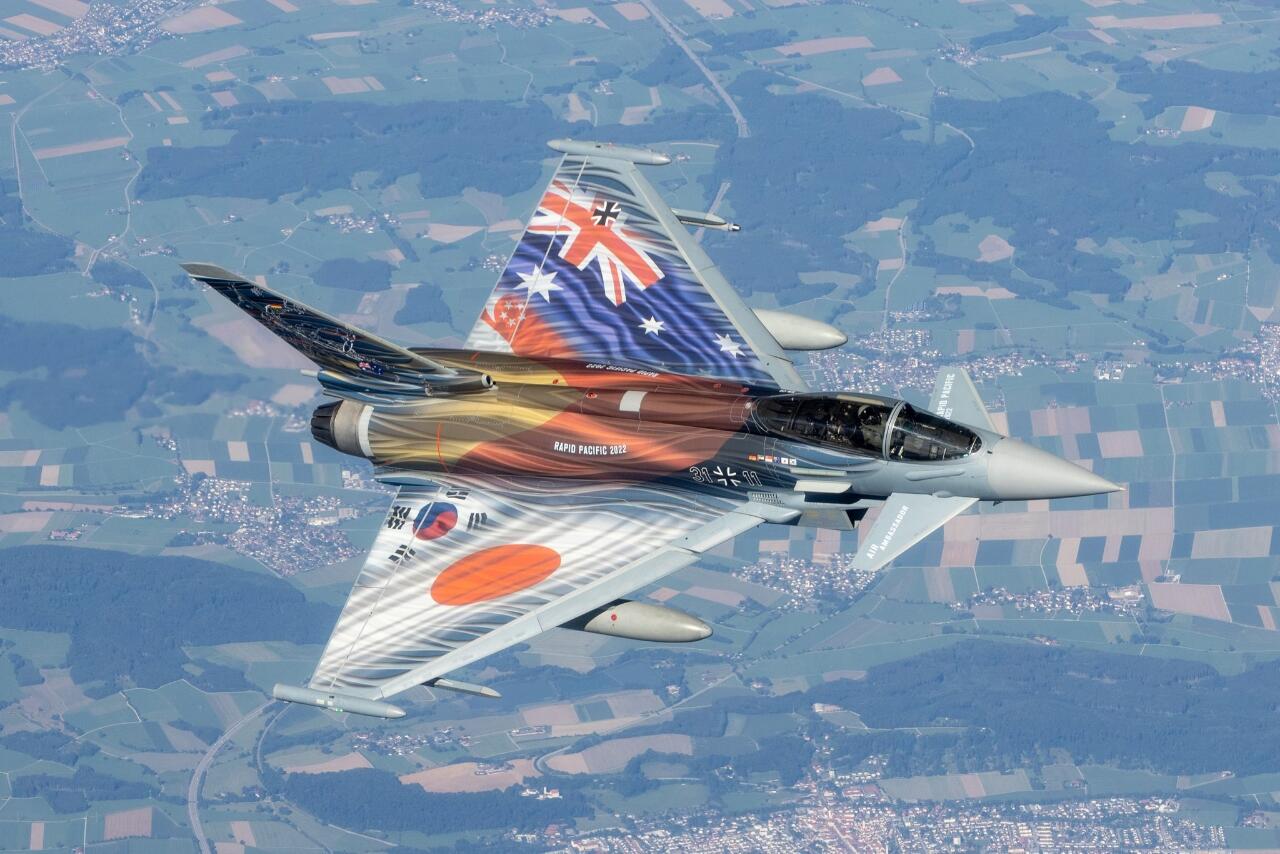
<point>539,283</point>
<point>652,326</point>
<point>728,345</point>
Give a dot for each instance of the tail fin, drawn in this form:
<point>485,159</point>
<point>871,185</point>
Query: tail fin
<point>956,399</point>
<point>352,362</point>
<point>606,271</point>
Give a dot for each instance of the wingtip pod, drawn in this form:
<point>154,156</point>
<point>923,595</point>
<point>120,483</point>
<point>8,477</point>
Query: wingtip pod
<point>641,156</point>
<point>794,332</point>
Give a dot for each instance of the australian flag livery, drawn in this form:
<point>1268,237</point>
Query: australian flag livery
<point>599,274</point>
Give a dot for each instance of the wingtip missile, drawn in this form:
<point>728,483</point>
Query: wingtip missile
<point>462,687</point>
<point>640,156</point>
<point>704,220</point>
<point>203,271</point>
<point>336,702</point>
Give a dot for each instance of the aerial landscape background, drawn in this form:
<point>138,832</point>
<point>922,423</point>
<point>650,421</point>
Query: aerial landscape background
<point>1078,201</point>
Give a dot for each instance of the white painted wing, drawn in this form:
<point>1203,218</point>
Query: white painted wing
<point>904,521</point>
<point>461,571</point>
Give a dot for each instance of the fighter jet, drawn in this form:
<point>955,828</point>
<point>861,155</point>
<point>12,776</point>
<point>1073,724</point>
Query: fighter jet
<point>617,411</point>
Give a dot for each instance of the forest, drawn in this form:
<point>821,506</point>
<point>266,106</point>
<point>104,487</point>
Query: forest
<point>353,275</point>
<point>74,376</point>
<point>27,249</point>
<point>1179,83</point>
<point>129,616</point>
<point>314,146</point>
<point>369,798</point>
<point>424,304</point>
<point>1043,166</point>
<point>1013,703</point>
<point>1025,27</point>
<point>73,794</point>
<point>1166,715</point>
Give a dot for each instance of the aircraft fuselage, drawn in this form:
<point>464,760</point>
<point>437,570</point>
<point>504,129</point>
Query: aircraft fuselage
<point>590,420</point>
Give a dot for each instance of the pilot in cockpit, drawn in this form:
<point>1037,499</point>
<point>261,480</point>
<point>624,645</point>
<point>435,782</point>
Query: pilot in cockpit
<point>871,426</point>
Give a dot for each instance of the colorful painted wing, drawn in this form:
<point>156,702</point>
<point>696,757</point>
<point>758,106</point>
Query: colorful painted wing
<point>606,271</point>
<point>351,358</point>
<point>461,571</point>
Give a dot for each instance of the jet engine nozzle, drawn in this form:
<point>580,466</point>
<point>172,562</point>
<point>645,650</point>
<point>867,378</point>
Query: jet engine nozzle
<point>1018,471</point>
<point>342,425</point>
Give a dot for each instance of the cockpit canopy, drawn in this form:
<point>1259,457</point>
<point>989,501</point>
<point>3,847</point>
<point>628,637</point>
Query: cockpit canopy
<point>920,435</point>
<point>846,422</point>
<point>866,425</point>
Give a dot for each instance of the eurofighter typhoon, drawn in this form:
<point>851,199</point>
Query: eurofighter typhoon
<point>616,412</point>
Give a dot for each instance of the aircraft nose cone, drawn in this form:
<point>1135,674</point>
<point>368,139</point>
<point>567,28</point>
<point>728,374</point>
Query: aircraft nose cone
<point>1018,471</point>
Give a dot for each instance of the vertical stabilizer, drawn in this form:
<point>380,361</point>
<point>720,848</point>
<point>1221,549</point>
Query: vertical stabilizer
<point>956,399</point>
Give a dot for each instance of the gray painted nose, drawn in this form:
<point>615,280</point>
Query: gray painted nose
<point>1017,471</point>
